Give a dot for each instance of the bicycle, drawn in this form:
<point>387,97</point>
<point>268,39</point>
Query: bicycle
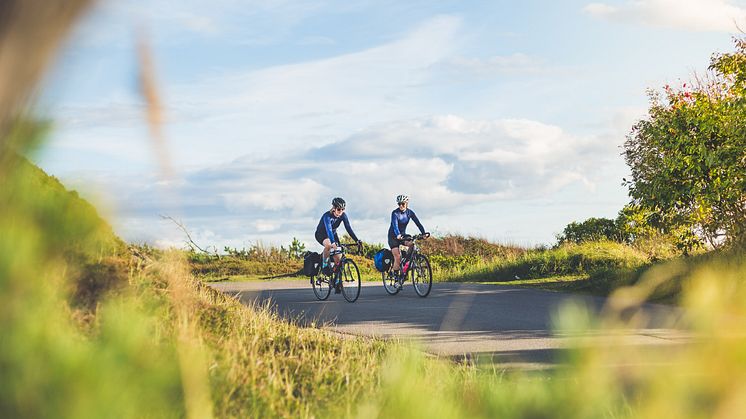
<point>345,275</point>
<point>413,264</point>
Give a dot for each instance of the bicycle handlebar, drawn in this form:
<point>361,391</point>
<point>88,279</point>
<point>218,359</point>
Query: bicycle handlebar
<point>409,237</point>
<point>348,245</point>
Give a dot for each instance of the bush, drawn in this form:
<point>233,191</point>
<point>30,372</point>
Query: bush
<point>593,229</point>
<point>231,266</point>
<point>453,245</point>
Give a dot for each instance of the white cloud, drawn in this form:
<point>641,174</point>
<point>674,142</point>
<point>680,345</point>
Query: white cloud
<point>473,160</point>
<point>269,193</point>
<point>694,15</point>
<point>442,162</point>
<point>362,79</point>
<point>266,226</point>
<point>445,163</point>
<point>293,105</point>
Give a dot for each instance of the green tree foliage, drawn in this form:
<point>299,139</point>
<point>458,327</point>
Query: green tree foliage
<point>296,249</point>
<point>259,252</point>
<point>594,229</point>
<point>688,157</point>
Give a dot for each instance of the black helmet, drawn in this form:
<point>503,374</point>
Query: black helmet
<point>339,203</point>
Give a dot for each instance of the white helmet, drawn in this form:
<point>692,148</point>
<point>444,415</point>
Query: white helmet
<point>402,198</point>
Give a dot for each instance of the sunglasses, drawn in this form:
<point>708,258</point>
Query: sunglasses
<point>401,204</point>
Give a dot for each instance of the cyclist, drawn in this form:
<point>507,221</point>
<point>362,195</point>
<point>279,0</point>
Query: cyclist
<point>326,232</point>
<point>399,219</point>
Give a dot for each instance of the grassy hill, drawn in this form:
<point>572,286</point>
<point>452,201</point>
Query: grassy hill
<point>93,330</point>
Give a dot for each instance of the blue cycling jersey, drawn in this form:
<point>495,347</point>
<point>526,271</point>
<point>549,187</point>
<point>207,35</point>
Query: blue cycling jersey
<point>400,219</point>
<point>328,225</point>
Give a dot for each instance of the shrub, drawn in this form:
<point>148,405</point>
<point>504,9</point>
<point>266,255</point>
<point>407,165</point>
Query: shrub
<point>593,229</point>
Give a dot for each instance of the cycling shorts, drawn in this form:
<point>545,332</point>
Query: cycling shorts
<point>393,241</point>
<point>321,236</point>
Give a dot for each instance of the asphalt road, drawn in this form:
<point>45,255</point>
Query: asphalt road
<point>513,325</point>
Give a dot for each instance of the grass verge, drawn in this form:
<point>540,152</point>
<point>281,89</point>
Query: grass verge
<point>91,333</point>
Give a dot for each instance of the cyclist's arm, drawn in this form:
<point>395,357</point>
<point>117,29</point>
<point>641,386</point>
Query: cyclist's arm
<point>328,226</point>
<point>395,224</point>
<point>417,221</point>
<point>348,228</point>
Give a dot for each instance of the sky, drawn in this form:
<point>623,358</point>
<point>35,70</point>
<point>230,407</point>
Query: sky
<point>502,120</point>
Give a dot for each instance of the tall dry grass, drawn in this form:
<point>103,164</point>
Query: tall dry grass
<point>701,376</point>
<point>30,32</point>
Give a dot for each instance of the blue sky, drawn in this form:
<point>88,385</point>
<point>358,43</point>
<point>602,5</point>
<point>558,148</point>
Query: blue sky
<point>500,119</point>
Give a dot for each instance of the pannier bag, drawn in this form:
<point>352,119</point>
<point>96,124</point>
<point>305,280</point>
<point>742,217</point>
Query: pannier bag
<point>311,263</point>
<point>383,259</point>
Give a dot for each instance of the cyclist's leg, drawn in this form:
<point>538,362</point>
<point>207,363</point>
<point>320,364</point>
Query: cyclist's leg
<point>394,246</point>
<point>397,258</point>
<point>324,241</point>
<point>327,249</point>
<point>338,256</point>
<point>409,249</point>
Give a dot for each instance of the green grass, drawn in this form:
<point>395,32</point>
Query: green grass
<point>92,331</point>
<point>571,259</point>
<point>568,283</point>
<point>65,352</point>
<point>596,268</point>
<point>262,278</point>
<point>593,267</point>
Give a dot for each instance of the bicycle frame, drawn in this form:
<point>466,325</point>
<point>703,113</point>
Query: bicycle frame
<point>412,250</point>
<point>341,250</point>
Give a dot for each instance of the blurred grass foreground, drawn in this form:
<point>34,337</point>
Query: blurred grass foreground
<point>91,328</point>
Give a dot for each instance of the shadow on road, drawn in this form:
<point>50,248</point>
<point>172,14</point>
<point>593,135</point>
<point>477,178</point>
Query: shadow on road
<point>508,324</point>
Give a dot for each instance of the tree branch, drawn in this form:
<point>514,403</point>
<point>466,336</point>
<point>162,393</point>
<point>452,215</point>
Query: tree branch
<point>183,228</point>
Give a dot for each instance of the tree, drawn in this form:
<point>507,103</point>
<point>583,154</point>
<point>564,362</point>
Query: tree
<point>296,250</point>
<point>688,157</point>
<point>593,229</point>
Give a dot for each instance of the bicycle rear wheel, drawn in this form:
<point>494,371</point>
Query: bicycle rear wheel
<point>350,281</point>
<point>321,286</point>
<point>422,275</point>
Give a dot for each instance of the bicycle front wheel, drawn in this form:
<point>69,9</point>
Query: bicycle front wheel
<point>422,275</point>
<point>350,281</point>
<point>321,286</point>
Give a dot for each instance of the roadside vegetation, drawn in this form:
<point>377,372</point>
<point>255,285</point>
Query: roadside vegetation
<point>596,265</point>
<point>94,329</point>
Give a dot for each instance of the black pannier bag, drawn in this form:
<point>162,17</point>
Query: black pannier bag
<point>311,263</point>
